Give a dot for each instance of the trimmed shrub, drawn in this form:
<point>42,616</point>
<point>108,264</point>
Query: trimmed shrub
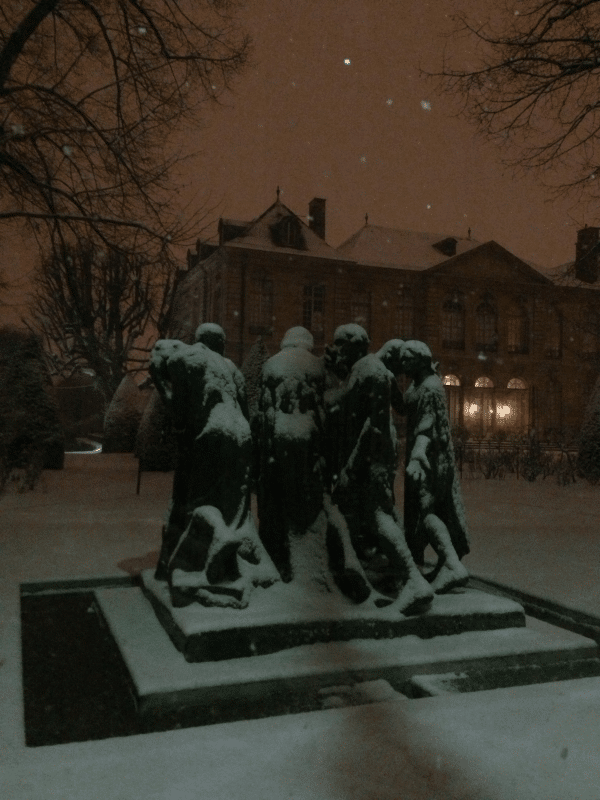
<point>123,417</point>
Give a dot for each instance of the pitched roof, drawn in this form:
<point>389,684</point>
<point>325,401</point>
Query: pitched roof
<point>388,247</point>
<point>564,275</point>
<point>262,234</point>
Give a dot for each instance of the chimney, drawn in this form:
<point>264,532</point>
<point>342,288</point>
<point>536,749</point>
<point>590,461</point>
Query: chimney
<point>316,216</point>
<point>587,254</point>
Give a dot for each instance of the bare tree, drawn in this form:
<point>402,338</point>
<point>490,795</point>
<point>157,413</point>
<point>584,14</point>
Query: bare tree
<point>100,309</point>
<point>92,96</point>
<point>535,87</point>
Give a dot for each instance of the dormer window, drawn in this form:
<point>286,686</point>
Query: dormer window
<point>288,233</point>
<point>447,246</point>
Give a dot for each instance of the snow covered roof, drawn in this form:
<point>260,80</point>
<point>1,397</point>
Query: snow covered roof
<point>278,229</point>
<point>564,275</point>
<point>388,247</point>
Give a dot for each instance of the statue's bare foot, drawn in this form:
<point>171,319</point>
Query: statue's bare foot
<point>449,578</point>
<point>416,595</point>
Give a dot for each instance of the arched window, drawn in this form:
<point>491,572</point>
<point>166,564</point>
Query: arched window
<point>451,380</point>
<point>405,313</point>
<point>486,327</point>
<point>517,330</point>
<point>484,383</point>
<point>516,383</point>
<point>453,322</point>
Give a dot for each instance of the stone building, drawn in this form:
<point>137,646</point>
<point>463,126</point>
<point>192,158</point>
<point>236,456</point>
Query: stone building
<point>518,346</point>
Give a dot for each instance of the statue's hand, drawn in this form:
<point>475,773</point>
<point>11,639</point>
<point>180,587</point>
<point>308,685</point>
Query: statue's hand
<point>416,469</point>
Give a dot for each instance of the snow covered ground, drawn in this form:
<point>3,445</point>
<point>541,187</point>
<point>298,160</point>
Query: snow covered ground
<point>526,742</point>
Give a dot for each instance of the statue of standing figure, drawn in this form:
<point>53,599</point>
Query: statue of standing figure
<point>210,552</point>
<point>362,448</point>
<point>433,508</point>
<point>303,533</point>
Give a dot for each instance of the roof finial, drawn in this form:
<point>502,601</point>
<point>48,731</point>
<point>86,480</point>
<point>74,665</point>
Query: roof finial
<point>366,219</point>
<point>278,190</point>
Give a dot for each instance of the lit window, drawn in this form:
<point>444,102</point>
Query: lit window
<point>516,383</point>
<point>451,380</point>
<point>484,383</point>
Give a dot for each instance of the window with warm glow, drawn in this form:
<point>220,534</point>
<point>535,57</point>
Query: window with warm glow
<point>484,383</point>
<point>516,383</point>
<point>451,380</point>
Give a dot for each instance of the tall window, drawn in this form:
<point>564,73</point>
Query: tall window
<point>453,322</point>
<point>552,334</point>
<point>405,313</point>
<point>313,310</point>
<point>486,327</point>
<point>360,309</point>
<point>517,330</point>
<point>260,310</point>
<point>590,334</point>
<point>217,304</point>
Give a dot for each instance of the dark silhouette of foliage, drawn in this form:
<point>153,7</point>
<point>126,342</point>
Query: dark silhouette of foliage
<point>588,459</point>
<point>31,437</point>
<point>123,417</point>
<point>532,86</point>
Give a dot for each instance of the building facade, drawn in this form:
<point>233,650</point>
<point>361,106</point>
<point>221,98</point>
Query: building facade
<point>518,348</point>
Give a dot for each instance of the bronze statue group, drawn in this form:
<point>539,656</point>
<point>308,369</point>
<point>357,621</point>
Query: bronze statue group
<point>321,456</point>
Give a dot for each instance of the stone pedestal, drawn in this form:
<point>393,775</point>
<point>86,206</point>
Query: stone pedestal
<point>281,662</point>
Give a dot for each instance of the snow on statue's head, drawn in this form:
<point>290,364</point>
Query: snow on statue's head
<point>298,337</point>
<point>351,334</point>
<point>211,335</point>
<point>415,354</point>
<point>390,354</point>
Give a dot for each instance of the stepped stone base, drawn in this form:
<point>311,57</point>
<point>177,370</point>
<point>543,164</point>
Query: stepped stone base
<point>172,692</point>
<point>285,616</point>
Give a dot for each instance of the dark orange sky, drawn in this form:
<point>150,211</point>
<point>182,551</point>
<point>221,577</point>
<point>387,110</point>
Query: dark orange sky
<point>334,106</point>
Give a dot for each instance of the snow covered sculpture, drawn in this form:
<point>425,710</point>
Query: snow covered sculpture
<point>305,535</point>
<point>211,552</point>
<point>433,508</point>
<point>362,456</point>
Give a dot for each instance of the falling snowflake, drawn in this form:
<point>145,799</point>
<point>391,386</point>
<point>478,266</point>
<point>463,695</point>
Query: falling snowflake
<point>363,159</point>
<point>425,105</point>
<point>347,61</point>
<point>389,101</point>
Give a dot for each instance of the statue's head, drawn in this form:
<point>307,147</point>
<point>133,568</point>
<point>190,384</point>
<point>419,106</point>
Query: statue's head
<point>390,354</point>
<point>415,357</point>
<point>298,337</point>
<point>350,343</point>
<point>211,335</point>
